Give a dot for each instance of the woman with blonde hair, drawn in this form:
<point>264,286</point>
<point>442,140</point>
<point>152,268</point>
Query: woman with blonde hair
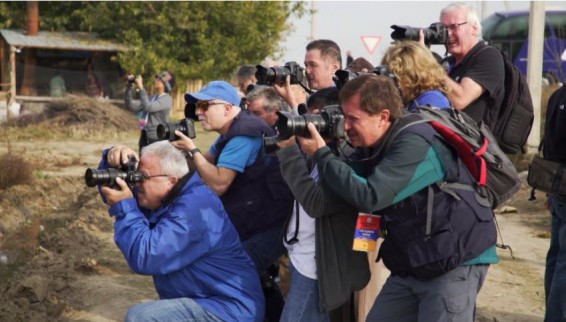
<point>419,75</point>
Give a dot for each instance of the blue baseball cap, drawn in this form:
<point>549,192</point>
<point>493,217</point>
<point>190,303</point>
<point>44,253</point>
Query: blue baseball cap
<point>220,90</point>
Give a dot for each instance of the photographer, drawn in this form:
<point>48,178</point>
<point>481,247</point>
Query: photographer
<point>322,60</point>
<point>419,77</point>
<point>264,103</point>
<point>169,227</point>
<point>151,110</point>
<point>324,268</point>
<point>245,76</point>
<point>248,182</point>
<point>476,73</point>
<point>434,277</point>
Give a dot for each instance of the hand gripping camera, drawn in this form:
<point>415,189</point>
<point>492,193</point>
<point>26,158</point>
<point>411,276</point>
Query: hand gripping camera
<point>436,34</point>
<point>107,177</point>
<point>277,75</point>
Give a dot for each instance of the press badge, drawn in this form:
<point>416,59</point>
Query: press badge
<point>367,231</point>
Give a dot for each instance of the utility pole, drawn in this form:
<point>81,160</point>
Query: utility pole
<point>534,66</point>
<point>313,18</point>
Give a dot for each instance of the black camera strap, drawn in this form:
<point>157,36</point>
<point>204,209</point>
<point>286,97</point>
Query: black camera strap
<point>293,239</point>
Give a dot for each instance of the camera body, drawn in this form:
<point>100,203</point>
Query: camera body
<point>107,177</point>
<point>131,79</point>
<point>278,74</point>
<point>342,76</point>
<point>435,34</point>
<point>166,131</point>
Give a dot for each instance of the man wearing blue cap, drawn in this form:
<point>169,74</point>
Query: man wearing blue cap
<point>248,182</point>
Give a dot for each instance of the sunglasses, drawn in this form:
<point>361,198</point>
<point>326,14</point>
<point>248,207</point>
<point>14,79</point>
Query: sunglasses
<point>204,105</point>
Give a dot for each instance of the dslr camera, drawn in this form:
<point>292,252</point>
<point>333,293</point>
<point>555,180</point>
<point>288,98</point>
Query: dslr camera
<point>329,123</point>
<point>131,79</point>
<point>342,76</point>
<point>277,75</point>
<point>436,34</point>
<point>166,131</point>
<point>107,177</point>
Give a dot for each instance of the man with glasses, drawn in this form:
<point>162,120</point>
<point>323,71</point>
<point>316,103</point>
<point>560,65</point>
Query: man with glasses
<point>248,182</point>
<point>173,227</point>
<point>475,71</point>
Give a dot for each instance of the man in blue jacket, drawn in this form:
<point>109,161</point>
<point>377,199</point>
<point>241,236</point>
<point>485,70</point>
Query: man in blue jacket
<point>176,229</point>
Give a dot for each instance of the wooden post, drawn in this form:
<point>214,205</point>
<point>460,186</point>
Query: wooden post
<point>534,66</point>
<point>12,79</point>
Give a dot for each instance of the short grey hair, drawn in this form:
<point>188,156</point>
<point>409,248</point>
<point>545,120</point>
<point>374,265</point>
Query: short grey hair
<point>271,100</point>
<point>172,160</point>
<point>471,14</point>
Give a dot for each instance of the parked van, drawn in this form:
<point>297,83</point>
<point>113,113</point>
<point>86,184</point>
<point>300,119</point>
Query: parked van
<point>509,31</point>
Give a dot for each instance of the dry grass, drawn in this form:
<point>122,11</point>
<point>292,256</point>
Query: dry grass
<point>15,171</point>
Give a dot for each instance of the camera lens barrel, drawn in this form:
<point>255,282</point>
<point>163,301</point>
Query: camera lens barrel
<point>105,177</point>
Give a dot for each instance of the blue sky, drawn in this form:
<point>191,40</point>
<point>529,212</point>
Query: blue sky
<point>346,21</point>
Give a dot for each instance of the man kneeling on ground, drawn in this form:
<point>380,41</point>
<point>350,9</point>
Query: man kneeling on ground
<point>175,228</point>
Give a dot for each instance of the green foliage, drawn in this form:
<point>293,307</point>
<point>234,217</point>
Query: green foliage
<point>195,40</point>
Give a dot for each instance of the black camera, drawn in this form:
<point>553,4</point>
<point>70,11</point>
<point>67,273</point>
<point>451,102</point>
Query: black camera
<point>131,79</point>
<point>107,177</point>
<point>342,76</point>
<point>277,75</point>
<point>270,144</point>
<point>436,34</point>
<point>329,123</point>
<point>166,131</point>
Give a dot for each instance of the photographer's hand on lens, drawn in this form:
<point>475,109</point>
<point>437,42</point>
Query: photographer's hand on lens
<point>310,145</point>
<point>114,195</point>
<point>421,38</point>
<point>118,156</point>
<point>184,143</point>
<point>286,92</point>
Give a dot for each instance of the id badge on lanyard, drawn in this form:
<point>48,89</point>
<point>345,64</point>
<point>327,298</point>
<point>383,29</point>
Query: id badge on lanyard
<point>367,232</point>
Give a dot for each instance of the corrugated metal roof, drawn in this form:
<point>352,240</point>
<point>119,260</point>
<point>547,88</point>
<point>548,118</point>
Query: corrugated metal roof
<point>85,41</point>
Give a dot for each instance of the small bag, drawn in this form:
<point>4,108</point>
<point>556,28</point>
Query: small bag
<point>548,176</point>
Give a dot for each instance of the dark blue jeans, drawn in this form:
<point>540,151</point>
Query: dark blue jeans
<point>265,248</point>
<point>555,275</point>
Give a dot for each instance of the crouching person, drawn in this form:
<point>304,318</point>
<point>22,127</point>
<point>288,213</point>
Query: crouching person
<point>175,228</point>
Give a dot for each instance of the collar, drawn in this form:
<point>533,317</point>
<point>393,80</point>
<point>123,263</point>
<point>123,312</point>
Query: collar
<point>176,190</point>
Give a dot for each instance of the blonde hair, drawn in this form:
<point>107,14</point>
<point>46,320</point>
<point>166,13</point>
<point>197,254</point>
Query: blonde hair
<point>415,69</point>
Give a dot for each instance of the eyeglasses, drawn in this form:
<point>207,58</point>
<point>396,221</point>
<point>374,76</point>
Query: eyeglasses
<point>147,177</point>
<point>455,26</point>
<point>204,105</point>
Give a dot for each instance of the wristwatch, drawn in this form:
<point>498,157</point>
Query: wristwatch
<point>191,154</point>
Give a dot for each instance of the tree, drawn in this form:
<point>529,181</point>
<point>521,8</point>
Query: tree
<point>195,40</point>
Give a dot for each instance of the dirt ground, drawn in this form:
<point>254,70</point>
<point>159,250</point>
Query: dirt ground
<point>58,261</point>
